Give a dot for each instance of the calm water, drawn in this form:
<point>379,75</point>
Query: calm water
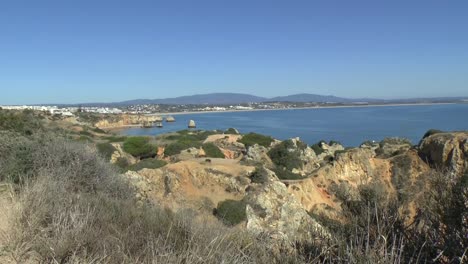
<point>350,126</point>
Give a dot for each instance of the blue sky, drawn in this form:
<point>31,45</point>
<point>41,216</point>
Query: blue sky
<point>103,51</point>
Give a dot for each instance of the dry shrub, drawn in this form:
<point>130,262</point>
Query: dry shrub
<point>76,209</point>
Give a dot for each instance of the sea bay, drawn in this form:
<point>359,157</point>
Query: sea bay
<point>349,125</point>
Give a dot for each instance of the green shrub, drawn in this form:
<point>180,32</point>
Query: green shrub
<point>24,122</point>
<point>431,132</point>
<point>231,212</point>
<point>260,175</point>
<point>212,151</point>
<point>284,174</point>
<point>185,139</point>
<point>193,135</point>
<point>177,147</point>
<point>115,139</point>
<point>395,141</point>
<point>334,142</point>
<point>147,164</point>
<point>317,147</point>
<point>286,155</point>
<point>251,139</point>
<point>232,131</point>
<point>174,149</point>
<point>106,150</point>
<point>138,146</point>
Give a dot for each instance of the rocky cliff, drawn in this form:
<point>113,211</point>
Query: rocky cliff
<point>282,207</point>
<point>127,120</point>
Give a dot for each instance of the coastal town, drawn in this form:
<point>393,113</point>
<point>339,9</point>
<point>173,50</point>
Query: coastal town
<point>148,109</point>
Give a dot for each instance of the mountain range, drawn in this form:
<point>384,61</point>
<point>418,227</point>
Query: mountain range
<point>238,98</point>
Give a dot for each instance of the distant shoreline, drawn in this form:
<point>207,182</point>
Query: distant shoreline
<point>119,128</point>
<point>295,108</point>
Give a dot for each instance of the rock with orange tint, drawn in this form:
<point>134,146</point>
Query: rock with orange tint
<point>160,152</point>
<point>229,154</point>
<point>201,153</point>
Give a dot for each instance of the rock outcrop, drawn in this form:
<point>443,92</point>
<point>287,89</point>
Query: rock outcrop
<point>446,150</point>
<point>272,210</point>
<point>126,120</point>
<point>257,154</point>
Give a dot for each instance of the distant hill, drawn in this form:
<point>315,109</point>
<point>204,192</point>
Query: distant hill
<point>238,98</point>
<point>213,98</point>
<point>303,98</point>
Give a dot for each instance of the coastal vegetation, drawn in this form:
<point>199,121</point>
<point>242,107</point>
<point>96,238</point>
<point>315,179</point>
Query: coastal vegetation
<point>138,146</point>
<point>146,164</point>
<point>231,212</point>
<point>69,204</point>
<point>105,149</point>
<point>251,139</point>
<point>212,151</point>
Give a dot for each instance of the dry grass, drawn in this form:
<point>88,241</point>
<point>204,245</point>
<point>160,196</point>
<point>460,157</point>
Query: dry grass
<point>73,207</point>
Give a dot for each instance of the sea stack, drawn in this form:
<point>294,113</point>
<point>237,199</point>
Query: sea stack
<point>170,119</point>
<point>191,124</point>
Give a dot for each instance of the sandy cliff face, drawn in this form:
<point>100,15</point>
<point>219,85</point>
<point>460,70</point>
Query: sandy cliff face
<point>196,184</point>
<point>126,120</point>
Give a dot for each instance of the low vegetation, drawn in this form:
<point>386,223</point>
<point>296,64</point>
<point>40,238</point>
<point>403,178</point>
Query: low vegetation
<point>287,155</point>
<point>317,147</point>
<point>251,139</point>
<point>147,164</point>
<point>212,151</point>
<point>431,132</point>
<point>115,139</point>
<point>106,150</point>
<point>75,207</point>
<point>285,174</point>
<point>231,131</point>
<point>25,122</point>
<point>138,146</point>
<point>231,212</point>
<point>260,175</point>
<point>186,139</point>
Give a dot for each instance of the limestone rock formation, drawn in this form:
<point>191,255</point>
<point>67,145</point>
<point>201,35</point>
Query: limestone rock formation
<point>446,150</point>
<point>393,146</point>
<point>126,120</point>
<point>272,210</point>
<point>192,124</point>
<point>259,155</point>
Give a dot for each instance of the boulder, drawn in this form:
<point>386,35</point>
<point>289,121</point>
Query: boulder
<point>446,150</point>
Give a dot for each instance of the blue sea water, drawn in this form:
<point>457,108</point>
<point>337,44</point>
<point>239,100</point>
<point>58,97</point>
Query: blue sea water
<point>351,125</point>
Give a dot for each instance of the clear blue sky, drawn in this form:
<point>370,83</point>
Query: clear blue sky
<point>102,51</point>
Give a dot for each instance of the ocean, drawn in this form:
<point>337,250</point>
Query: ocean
<point>349,125</point>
